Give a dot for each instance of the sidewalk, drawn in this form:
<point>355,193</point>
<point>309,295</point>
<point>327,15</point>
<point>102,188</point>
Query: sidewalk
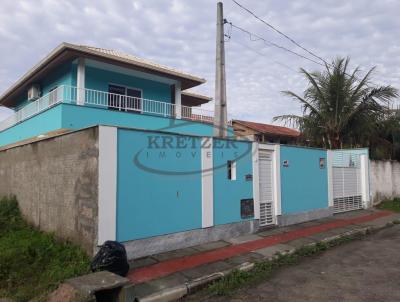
<point>171,275</point>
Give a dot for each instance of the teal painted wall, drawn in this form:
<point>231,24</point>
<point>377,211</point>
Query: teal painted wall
<point>77,117</point>
<point>99,79</point>
<point>70,116</point>
<point>228,193</point>
<point>156,203</point>
<point>48,120</point>
<point>65,74</point>
<point>304,185</point>
<point>61,76</point>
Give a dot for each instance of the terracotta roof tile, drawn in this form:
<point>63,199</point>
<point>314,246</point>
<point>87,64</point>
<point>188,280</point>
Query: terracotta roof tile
<point>269,129</point>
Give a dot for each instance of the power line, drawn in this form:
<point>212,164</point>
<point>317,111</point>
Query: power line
<point>326,64</point>
<point>279,32</point>
<point>269,43</point>
<point>264,55</point>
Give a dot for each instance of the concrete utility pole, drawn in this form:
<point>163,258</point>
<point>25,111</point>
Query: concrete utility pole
<point>220,114</point>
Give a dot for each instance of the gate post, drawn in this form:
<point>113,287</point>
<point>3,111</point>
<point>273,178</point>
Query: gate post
<point>329,164</point>
<point>364,171</point>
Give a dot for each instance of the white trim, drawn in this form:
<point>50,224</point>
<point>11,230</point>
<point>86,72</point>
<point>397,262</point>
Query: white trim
<point>207,183</point>
<point>80,82</point>
<point>256,180</point>
<point>107,218</point>
<point>364,167</point>
<point>178,100</point>
<point>277,180</point>
<point>329,167</point>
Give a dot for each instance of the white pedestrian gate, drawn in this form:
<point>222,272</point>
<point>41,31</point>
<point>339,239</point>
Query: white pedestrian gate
<point>266,186</point>
<point>346,181</point>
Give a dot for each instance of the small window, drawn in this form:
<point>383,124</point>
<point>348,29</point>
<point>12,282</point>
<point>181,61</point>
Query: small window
<point>231,165</point>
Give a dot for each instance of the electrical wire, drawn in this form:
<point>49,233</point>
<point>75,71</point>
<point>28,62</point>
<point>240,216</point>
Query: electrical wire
<point>280,32</point>
<point>264,55</point>
<point>269,43</point>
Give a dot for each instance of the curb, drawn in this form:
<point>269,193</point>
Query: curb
<point>178,292</point>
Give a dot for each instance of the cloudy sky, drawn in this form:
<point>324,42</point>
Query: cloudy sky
<point>181,34</point>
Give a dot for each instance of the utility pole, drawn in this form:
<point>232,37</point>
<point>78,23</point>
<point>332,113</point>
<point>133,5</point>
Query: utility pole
<point>220,114</point>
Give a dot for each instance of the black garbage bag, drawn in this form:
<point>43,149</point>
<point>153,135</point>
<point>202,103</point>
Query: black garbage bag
<point>111,257</point>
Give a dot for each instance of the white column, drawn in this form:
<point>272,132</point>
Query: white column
<point>80,79</point>
<point>107,184</point>
<point>207,182</point>
<point>178,100</point>
<point>364,171</point>
<point>256,180</point>
<point>329,167</point>
<point>277,179</point>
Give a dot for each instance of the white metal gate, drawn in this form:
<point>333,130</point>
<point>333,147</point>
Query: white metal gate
<point>346,181</point>
<point>266,184</point>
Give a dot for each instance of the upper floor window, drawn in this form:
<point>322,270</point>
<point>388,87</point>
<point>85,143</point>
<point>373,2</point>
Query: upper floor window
<point>124,98</point>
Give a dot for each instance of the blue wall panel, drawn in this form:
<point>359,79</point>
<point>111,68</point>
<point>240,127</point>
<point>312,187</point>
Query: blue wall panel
<point>228,193</point>
<point>48,120</point>
<point>76,117</point>
<point>304,185</point>
<point>151,203</point>
<point>65,74</point>
<point>99,79</point>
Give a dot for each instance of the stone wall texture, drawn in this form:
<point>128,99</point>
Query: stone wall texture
<point>56,183</point>
<point>385,180</point>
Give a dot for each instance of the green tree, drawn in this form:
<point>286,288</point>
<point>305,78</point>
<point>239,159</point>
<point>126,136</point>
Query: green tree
<point>339,107</point>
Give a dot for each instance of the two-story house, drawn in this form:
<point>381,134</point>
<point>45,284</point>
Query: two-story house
<point>107,146</point>
<point>78,86</point>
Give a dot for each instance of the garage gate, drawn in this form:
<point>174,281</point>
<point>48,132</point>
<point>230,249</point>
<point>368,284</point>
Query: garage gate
<point>347,181</point>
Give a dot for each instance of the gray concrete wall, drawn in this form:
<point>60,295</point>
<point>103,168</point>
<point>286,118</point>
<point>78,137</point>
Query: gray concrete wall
<point>56,183</point>
<point>385,180</point>
<point>289,219</point>
<point>170,242</point>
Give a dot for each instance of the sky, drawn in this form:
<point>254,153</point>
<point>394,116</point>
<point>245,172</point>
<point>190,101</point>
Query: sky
<point>181,34</point>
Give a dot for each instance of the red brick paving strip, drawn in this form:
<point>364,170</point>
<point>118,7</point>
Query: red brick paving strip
<point>179,264</point>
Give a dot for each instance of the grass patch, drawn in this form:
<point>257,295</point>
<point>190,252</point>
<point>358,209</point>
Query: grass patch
<point>33,263</point>
<point>264,269</point>
<point>390,204</point>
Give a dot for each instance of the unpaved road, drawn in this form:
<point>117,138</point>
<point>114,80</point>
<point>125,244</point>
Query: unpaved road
<point>363,270</point>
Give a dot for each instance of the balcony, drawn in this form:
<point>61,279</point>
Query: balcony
<point>109,101</point>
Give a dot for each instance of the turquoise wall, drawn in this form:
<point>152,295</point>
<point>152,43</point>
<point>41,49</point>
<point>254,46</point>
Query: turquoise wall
<point>151,203</point>
<point>77,117</point>
<point>48,120</point>
<point>65,74</point>
<point>70,116</point>
<point>228,193</point>
<point>99,79</point>
<point>304,185</point>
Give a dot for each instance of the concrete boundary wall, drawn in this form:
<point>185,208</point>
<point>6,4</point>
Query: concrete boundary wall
<point>56,183</point>
<point>385,180</point>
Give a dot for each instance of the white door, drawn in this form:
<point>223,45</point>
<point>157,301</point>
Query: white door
<point>267,216</point>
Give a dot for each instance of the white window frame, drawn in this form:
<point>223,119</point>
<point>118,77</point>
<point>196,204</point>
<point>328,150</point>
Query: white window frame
<point>126,90</point>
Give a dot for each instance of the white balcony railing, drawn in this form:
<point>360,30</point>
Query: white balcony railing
<point>101,99</point>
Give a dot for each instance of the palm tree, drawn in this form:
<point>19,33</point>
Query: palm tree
<point>338,107</point>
